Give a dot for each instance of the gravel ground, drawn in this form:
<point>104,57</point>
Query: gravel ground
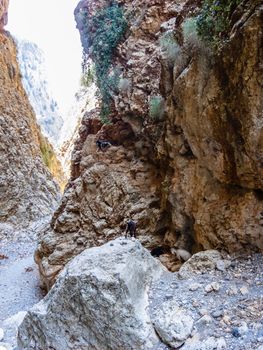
<point>19,280</point>
<point>19,283</point>
<point>226,305</point>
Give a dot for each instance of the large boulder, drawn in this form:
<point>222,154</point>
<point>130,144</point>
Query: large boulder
<point>99,301</point>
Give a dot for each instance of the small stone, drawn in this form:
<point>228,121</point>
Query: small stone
<point>195,303</point>
<point>218,313</point>
<point>1,334</point>
<point>29,269</point>
<point>194,287</point>
<point>203,312</point>
<point>235,332</point>
<point>214,286</point>
<point>232,290</point>
<point>244,290</point>
<point>243,329</point>
<point>220,265</point>
<point>226,319</point>
<point>205,320</point>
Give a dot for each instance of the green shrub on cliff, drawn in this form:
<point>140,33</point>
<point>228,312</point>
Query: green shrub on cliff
<point>169,48</point>
<point>156,107</point>
<point>190,33</point>
<point>106,29</point>
<point>88,76</point>
<point>214,20</point>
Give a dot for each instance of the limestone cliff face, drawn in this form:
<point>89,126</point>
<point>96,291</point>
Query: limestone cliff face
<point>27,189</point>
<point>33,69</point>
<point>3,13</point>
<point>192,176</point>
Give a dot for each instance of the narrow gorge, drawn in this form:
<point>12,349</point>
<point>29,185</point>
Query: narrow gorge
<point>173,90</point>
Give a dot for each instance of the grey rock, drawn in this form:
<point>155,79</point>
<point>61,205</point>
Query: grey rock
<point>202,261</point>
<point>218,313</point>
<point>214,286</point>
<point>203,321</point>
<point>220,265</point>
<point>99,301</point>
<point>172,323</point>
<point>193,287</point>
<point>235,332</point>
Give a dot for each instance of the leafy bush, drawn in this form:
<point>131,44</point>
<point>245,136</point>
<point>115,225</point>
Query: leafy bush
<point>190,34</point>
<point>169,48</point>
<point>88,76</point>
<point>156,107</point>
<point>214,20</point>
<point>106,29</point>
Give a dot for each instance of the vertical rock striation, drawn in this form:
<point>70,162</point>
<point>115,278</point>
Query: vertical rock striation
<point>3,13</point>
<point>27,189</point>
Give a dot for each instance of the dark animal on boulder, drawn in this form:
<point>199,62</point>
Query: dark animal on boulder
<point>103,145</point>
<point>131,229</point>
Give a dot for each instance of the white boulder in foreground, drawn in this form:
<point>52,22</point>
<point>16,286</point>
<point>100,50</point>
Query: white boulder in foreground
<point>99,302</point>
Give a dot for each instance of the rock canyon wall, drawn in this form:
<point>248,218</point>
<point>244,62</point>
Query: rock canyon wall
<point>27,189</point>
<point>186,160</point>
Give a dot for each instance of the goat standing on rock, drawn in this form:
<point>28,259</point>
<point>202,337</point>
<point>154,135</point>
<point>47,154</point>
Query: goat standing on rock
<point>103,145</point>
<point>131,229</point>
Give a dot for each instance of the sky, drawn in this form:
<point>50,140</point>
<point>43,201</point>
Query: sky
<point>51,25</point>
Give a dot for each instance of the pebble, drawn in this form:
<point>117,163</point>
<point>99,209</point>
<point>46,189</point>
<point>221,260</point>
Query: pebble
<point>203,312</point>
<point>214,286</point>
<point>205,320</point>
<point>194,287</point>
<point>244,290</point>
<point>218,313</point>
<point>226,319</point>
<point>195,303</point>
<point>235,332</point>
<point>232,290</point>
<point>220,265</point>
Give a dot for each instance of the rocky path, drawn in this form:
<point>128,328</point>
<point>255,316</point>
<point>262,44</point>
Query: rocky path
<point>19,281</point>
<point>19,284</point>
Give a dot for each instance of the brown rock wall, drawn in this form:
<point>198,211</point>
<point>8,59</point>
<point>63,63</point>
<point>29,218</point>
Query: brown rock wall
<point>3,13</point>
<point>26,187</point>
<point>192,179</point>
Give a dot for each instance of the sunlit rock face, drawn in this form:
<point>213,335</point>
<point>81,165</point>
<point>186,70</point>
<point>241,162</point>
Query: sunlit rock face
<point>3,13</point>
<point>192,178</point>
<point>84,101</point>
<point>27,189</point>
<point>32,65</point>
